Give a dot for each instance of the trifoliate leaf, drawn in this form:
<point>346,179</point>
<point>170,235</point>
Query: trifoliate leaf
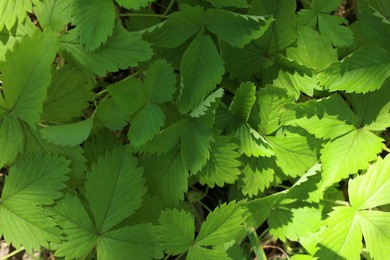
<point>371,189</point>
<point>342,239</point>
<point>146,124</point>
<point>114,188</point>
<point>128,94</point>
<point>122,50</point>
<point>167,173</point>
<point>12,11</point>
<point>179,27</point>
<point>131,4</point>
<point>177,231</point>
<point>348,154</point>
<point>236,29</point>
<point>69,134</point>
<point>201,70</point>
<point>131,242</point>
<point>228,3</point>
<point>203,107</point>
<point>110,115</point>
<point>53,14</point>
<point>364,71</point>
<point>26,76</point>
<point>160,82</point>
<point>222,167</point>
<point>243,101</point>
<point>221,225</point>
<point>332,27</point>
<point>11,139</point>
<point>195,144</point>
<point>93,29</point>
<point>79,231</point>
<point>36,180</point>
<point>68,94</point>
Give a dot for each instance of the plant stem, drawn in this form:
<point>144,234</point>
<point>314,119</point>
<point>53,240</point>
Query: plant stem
<point>255,242</point>
<point>144,15</point>
<point>169,7</point>
<point>386,149</point>
<point>12,254</point>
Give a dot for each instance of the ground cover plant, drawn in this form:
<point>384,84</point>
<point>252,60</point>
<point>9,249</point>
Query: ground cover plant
<point>195,129</point>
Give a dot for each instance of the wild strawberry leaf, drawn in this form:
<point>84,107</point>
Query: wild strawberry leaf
<point>11,139</point>
<point>53,14</point>
<point>131,4</point>
<point>13,11</point>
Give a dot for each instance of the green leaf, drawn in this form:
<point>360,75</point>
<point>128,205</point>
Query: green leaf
<point>243,101</point>
<point>195,144</point>
<point>147,123</point>
<point>201,70</point>
<point>160,82</point>
<point>92,28</point>
<point>131,242</point>
<point>11,139</point>
<point>12,11</point>
<point>229,3</point>
<point>68,94</point>
<point>313,50</point>
<point>177,231</point>
<point>122,50</point>
<point>80,235</point>
<point>114,188</point>
<point>200,253</point>
<point>203,107</point>
<point>222,167</point>
<point>167,172</point>
<point>236,29</point>
<point>342,239</point>
<point>375,226</point>
<point>128,94</point>
<point>371,189</point>
<point>325,5</point>
<point>332,27</point>
<point>53,14</point>
<point>70,134</point>
<point>222,225</point>
<point>348,154</point>
<point>251,142</point>
<point>110,115</point>
<point>36,180</point>
<point>364,71</point>
<point>24,88</point>
<point>131,4</point>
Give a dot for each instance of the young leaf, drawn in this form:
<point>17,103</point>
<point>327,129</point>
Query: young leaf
<point>201,70</point>
<point>92,28</point>
<point>53,14</point>
<point>114,188</point>
<point>11,139</point>
<point>177,231</point>
<point>121,50</point>
<point>70,134</point>
<point>221,225</point>
<point>371,189</point>
<point>24,88</point>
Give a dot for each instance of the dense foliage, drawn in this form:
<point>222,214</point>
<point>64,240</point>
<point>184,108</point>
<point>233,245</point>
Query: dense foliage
<point>205,129</point>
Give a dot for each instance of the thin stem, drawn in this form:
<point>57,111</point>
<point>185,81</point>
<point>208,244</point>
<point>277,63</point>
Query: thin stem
<point>386,149</point>
<point>169,7</point>
<point>255,243</point>
<point>167,256</point>
<point>144,15</point>
<point>12,254</point>
<point>104,91</point>
<point>204,206</point>
<point>278,248</point>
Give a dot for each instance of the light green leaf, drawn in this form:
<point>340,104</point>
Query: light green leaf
<point>11,139</point>
<point>236,29</point>
<point>371,189</point>
<point>364,71</point>
<point>251,142</point>
<point>53,14</point>
<point>348,154</point>
<point>195,144</point>
<point>131,4</point>
<point>203,107</point>
<point>26,74</point>
<point>128,94</point>
<point>313,50</point>
<point>201,70</point>
<point>70,134</point>
<point>229,3</point>
<point>68,94</point>
<point>160,82</point>
<point>36,180</point>
<point>178,28</point>
<point>122,50</point>
<point>80,233</point>
<point>177,231</point>
<point>375,226</point>
<point>243,101</point>
<point>93,28</point>
<point>114,188</point>
<point>200,253</point>
<point>167,172</point>
<point>221,225</point>
<point>146,124</point>
<point>295,83</point>
<point>342,239</point>
<point>12,11</point>
<point>222,167</point>
<point>332,27</point>
<point>131,242</point>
